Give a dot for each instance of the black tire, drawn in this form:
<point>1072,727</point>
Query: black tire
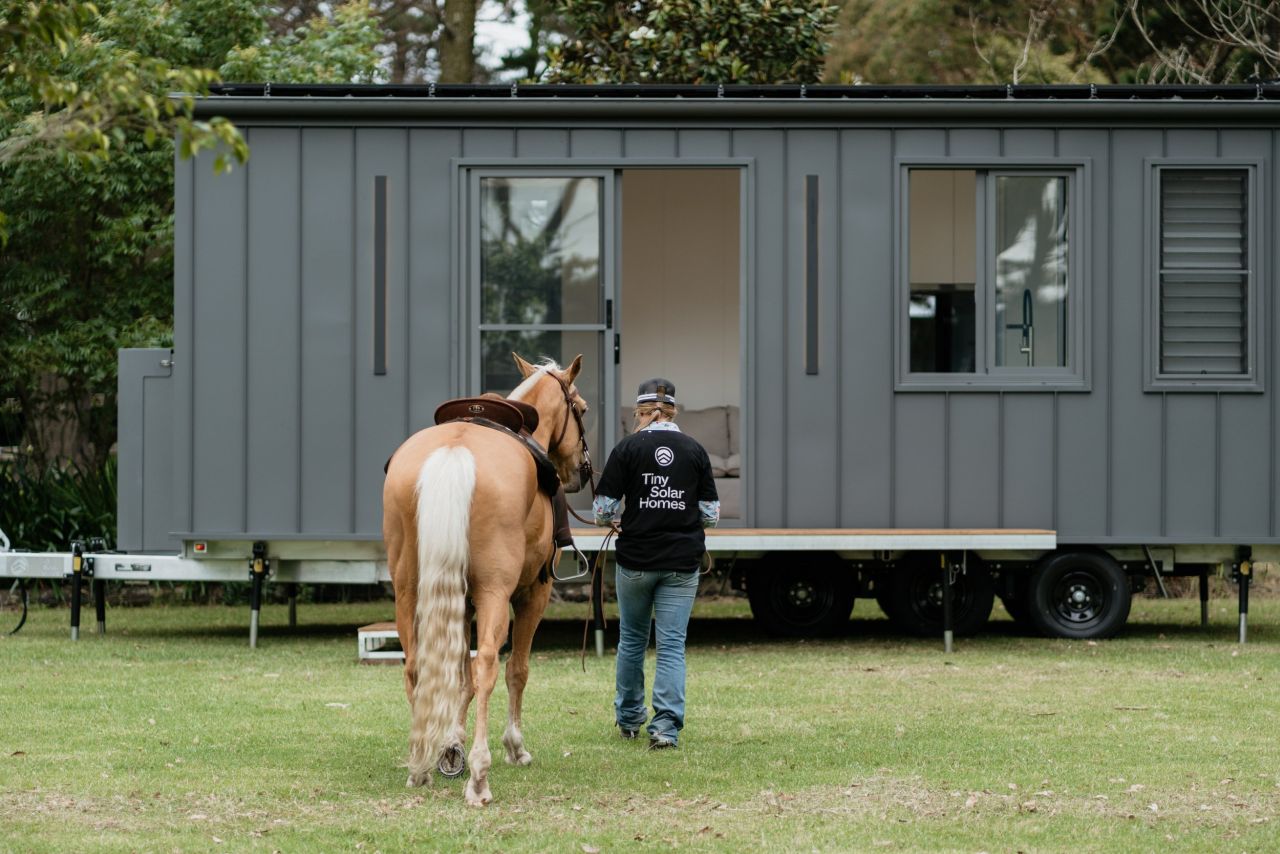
<point>911,596</point>
<point>801,596</point>
<point>1079,595</point>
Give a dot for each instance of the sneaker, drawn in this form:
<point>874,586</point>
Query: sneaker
<point>659,742</point>
<point>628,734</point>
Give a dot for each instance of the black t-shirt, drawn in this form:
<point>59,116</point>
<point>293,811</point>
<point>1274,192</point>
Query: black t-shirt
<point>661,475</point>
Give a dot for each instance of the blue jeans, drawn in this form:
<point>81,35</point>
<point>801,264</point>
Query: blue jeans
<point>668,596</point>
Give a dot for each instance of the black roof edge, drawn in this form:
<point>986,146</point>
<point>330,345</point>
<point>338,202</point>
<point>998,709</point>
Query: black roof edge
<point>1269,91</point>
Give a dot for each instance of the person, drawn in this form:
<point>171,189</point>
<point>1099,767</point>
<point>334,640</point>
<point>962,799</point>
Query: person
<point>665,478</point>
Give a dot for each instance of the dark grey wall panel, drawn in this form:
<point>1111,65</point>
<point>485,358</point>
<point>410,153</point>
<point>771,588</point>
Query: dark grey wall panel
<point>1191,463</point>
<point>866,327</point>
<point>274,475</point>
<point>328,331</point>
<point>594,142</point>
<point>430,332</point>
<point>1027,466</point>
<point>144,484</point>
<point>919,461</point>
<point>218,351</point>
<point>381,401</point>
<point>704,143</point>
<point>1137,446</point>
<point>973,142</point>
<point>542,142</point>
<point>183,328</point>
<point>973,460</point>
<point>1028,142</point>
<point>1244,479</point>
<point>649,143</point>
<point>488,142</point>
<point>1246,427</point>
<point>813,426</point>
<point>766,476</point>
<point>1082,470</point>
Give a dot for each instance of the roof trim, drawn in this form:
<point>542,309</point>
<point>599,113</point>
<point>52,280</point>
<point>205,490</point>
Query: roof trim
<point>798,104</point>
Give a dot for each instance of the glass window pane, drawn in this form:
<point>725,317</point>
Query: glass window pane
<point>498,372</point>
<point>1031,271</point>
<point>941,243</point>
<point>540,250</point>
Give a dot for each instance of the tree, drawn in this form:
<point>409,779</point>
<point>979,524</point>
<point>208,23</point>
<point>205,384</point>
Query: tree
<point>692,41</point>
<point>1207,41</point>
<point>88,183</point>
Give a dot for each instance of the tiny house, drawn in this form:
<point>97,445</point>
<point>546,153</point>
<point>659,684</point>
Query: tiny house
<point>1023,333</point>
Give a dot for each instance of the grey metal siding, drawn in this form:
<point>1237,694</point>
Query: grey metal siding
<point>144,484</point>
<point>218,350</point>
<point>866,271</point>
<point>283,427</point>
<point>273,498</point>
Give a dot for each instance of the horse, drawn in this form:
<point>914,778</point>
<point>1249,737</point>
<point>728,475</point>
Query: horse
<point>468,532</point>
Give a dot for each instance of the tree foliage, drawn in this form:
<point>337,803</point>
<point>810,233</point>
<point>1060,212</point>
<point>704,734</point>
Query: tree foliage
<point>692,41</point>
<point>1055,41</point>
<point>88,185</point>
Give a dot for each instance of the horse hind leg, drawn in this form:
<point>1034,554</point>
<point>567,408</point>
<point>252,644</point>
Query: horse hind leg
<point>528,613</point>
<point>453,762</point>
<point>491,631</point>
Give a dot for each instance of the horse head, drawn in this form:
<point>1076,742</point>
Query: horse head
<point>550,389</point>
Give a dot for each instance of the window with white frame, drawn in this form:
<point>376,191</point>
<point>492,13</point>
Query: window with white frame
<point>992,296</point>
<point>1204,294</point>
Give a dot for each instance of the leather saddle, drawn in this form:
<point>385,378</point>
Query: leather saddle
<point>513,417</point>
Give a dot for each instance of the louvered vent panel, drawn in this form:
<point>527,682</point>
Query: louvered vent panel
<point>1203,271</point>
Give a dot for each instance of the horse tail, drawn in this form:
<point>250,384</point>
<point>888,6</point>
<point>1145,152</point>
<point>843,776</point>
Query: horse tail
<point>445,488</point>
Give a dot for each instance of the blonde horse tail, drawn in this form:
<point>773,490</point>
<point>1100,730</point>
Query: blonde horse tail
<point>445,488</point>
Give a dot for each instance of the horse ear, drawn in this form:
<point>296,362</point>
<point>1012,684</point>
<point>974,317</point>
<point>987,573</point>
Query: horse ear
<point>526,369</point>
<point>571,372</point>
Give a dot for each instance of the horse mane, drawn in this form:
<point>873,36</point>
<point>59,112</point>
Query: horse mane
<point>527,384</point>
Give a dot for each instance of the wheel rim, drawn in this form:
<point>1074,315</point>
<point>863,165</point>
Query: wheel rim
<point>1079,599</point>
<point>802,600</point>
<point>925,598</point>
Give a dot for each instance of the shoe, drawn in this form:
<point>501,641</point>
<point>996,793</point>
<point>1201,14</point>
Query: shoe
<point>658,742</point>
<point>628,734</point>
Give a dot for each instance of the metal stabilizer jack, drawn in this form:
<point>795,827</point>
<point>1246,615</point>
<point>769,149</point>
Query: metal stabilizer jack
<point>77,573</point>
<point>452,763</point>
<point>258,569</point>
<point>1242,574</point>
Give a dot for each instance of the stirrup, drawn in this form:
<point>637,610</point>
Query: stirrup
<point>582,562</point>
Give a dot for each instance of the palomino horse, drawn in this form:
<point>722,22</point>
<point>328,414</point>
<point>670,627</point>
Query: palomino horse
<point>467,531</point>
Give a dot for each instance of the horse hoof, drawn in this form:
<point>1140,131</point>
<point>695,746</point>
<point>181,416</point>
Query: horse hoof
<point>452,763</point>
<point>479,799</point>
<point>521,758</point>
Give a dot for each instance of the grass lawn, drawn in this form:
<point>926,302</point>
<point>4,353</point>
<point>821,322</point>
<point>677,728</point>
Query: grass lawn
<point>170,734</point>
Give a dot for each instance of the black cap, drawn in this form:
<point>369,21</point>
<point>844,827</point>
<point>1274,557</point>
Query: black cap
<point>656,390</point>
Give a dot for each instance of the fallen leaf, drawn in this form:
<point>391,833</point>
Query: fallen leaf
<point>337,705</point>
<point>589,849</point>
<point>18,753</point>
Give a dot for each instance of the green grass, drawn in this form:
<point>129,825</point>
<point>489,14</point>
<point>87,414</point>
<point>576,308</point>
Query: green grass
<point>170,734</point>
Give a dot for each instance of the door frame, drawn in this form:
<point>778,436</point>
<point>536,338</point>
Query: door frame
<point>464,309</point>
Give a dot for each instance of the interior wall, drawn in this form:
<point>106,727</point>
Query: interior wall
<point>679,290</point>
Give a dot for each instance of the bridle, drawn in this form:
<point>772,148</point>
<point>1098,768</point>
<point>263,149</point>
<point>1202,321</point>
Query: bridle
<point>585,471</point>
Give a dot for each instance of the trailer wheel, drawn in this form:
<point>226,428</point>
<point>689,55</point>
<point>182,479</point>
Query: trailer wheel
<point>912,597</point>
<point>802,596</point>
<point>1079,595</point>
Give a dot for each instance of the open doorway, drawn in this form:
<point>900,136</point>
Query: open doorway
<point>680,307</point>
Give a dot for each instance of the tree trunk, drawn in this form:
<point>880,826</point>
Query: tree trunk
<point>458,42</point>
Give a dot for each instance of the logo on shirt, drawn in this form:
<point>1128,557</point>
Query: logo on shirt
<point>664,456</point>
